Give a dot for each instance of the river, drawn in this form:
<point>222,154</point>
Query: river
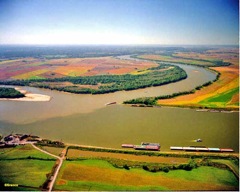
<point>84,119</point>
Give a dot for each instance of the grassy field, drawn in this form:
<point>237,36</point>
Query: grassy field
<point>30,174</point>
<point>224,93</point>
<point>101,175</point>
<point>24,166</point>
<point>24,151</point>
<point>91,170</point>
<point>75,153</point>
<point>52,150</point>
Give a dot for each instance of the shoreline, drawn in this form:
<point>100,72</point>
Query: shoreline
<point>164,152</point>
<point>28,96</point>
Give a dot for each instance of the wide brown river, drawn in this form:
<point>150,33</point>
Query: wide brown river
<point>84,119</point>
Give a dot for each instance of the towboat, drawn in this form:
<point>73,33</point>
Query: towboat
<point>198,140</point>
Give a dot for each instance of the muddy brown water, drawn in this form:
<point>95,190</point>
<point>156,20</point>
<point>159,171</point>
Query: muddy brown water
<point>84,119</point>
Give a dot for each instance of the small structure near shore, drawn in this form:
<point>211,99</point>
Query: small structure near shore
<point>12,140</point>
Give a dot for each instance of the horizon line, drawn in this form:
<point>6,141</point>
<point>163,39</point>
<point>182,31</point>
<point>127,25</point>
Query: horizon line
<point>18,44</point>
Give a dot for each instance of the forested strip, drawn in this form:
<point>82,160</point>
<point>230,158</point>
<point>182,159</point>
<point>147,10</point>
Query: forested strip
<point>163,74</point>
<point>214,63</point>
<point>7,92</point>
<point>150,101</point>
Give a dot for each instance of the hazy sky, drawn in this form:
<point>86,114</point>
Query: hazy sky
<point>119,22</point>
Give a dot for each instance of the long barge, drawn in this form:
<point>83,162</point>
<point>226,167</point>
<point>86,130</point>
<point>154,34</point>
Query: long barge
<point>143,146</point>
<point>202,149</point>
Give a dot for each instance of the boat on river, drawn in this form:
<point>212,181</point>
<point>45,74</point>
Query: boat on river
<point>111,103</point>
<point>201,149</point>
<point>143,146</point>
<point>202,110</point>
<point>198,140</point>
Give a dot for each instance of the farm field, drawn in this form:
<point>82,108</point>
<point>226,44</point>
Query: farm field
<point>53,150</point>
<point>22,152</point>
<point>106,75</point>
<point>25,167</point>
<point>224,93</point>
<point>75,153</point>
<point>93,170</point>
<point>34,68</point>
<point>207,58</point>
<point>226,54</point>
<point>94,174</point>
<point>164,58</point>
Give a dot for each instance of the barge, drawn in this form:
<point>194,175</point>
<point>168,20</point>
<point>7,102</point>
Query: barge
<point>127,146</point>
<point>143,146</point>
<point>111,103</point>
<point>202,149</point>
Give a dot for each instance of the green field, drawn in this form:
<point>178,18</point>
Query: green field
<point>30,174</point>
<point>222,99</point>
<point>101,175</point>
<point>52,150</point>
<point>23,152</point>
<point>24,166</point>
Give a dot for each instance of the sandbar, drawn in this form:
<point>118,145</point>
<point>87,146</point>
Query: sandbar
<point>28,96</point>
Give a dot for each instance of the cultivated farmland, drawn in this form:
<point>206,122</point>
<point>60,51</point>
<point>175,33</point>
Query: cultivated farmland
<point>94,174</point>
<point>32,68</point>
<point>24,167</point>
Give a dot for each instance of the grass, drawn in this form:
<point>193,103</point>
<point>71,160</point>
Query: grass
<point>229,163</point>
<point>72,71</point>
<point>140,72</point>
<point>95,186</point>
<point>36,77</point>
<point>206,174</point>
<point>101,175</point>
<point>22,152</point>
<point>24,172</point>
<point>220,100</point>
<point>52,150</point>
<point>31,74</point>
<point>75,153</point>
<point>17,168</point>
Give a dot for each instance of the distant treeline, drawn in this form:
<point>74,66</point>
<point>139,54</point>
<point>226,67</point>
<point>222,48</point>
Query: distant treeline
<point>214,63</point>
<point>7,92</point>
<point>60,51</point>
<point>109,83</point>
<point>150,101</point>
<point>53,52</point>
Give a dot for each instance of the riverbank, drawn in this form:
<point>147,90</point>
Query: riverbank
<point>28,96</point>
<point>89,164</point>
<point>222,94</point>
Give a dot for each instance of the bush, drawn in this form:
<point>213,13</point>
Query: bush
<point>145,168</point>
<point>165,169</point>
<point>126,167</point>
